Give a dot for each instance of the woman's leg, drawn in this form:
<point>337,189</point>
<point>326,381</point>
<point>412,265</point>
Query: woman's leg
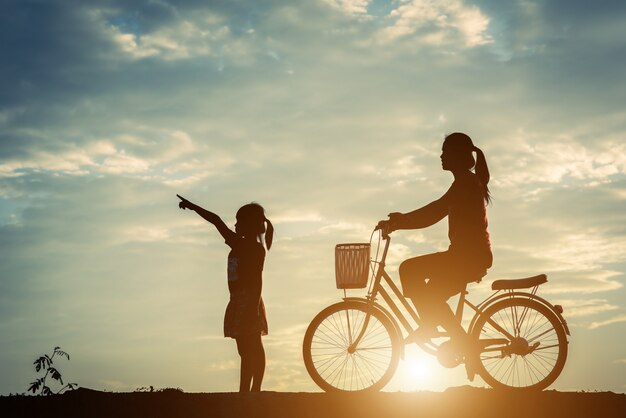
<point>414,274</point>
<point>441,289</point>
<point>438,308</point>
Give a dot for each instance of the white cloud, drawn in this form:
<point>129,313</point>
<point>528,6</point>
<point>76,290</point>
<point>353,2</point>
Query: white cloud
<point>74,160</point>
<point>203,35</point>
<point>535,158</point>
<point>146,234</point>
<point>403,168</point>
<point>223,365</point>
<point>614,320</point>
<point>183,40</point>
<point>437,22</point>
<point>149,151</point>
<point>124,164</point>
<point>344,227</point>
<point>581,308</point>
<point>584,251</point>
<point>296,216</point>
<point>356,8</point>
<point>572,281</point>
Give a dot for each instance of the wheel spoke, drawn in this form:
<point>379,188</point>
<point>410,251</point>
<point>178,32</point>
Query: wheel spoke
<point>535,357</point>
<point>327,341</point>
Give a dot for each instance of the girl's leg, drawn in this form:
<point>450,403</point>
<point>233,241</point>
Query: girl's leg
<point>258,367</point>
<point>250,348</point>
<point>245,374</point>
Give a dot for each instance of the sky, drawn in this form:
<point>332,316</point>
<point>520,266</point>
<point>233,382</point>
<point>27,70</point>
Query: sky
<point>329,113</point>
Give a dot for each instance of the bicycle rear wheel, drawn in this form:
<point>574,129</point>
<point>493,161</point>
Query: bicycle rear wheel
<point>532,348</point>
<point>330,361</point>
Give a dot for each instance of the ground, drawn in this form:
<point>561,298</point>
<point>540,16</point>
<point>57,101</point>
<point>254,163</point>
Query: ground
<point>461,402</point>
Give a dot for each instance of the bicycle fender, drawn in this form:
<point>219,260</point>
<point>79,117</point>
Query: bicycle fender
<point>485,306</point>
<point>385,312</point>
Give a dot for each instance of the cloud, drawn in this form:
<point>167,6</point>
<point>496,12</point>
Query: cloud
<point>206,35</point>
<point>614,320</point>
<point>585,251</point>
<point>223,365</point>
<point>572,281</point>
<point>437,23</point>
<point>575,308</point>
<point>156,152</point>
<point>561,160</point>
<point>357,8</point>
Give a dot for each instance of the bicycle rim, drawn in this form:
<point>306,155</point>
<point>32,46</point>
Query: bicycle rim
<point>535,356</point>
<point>327,339</point>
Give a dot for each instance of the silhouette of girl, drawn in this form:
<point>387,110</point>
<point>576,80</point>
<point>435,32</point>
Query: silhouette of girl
<point>245,319</point>
<point>430,280</point>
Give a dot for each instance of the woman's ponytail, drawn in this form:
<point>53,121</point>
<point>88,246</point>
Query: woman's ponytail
<point>482,171</point>
<point>269,234</point>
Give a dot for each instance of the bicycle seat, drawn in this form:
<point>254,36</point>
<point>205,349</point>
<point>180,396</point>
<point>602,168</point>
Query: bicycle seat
<point>519,283</point>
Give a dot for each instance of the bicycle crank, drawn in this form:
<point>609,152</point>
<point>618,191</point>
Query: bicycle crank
<point>449,355</point>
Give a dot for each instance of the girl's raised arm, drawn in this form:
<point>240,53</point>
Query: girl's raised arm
<point>208,216</point>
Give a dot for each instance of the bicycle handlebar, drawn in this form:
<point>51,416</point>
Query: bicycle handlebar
<point>384,232</point>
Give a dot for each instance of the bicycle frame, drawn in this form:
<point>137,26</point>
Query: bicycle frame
<point>516,338</point>
<point>398,317</point>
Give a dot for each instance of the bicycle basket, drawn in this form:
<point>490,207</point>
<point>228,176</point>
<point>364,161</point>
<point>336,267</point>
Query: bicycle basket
<point>352,265</point>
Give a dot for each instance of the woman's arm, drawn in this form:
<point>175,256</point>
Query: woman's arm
<point>423,217</point>
<point>206,215</point>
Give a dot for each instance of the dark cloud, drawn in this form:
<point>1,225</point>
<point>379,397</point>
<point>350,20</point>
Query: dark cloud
<point>60,55</point>
<point>49,47</point>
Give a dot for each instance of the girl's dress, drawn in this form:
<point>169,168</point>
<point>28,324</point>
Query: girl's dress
<point>245,313</point>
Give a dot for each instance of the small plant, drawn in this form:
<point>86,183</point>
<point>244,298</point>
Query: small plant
<point>44,364</point>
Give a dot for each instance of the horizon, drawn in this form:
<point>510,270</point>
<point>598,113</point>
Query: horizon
<point>331,114</point>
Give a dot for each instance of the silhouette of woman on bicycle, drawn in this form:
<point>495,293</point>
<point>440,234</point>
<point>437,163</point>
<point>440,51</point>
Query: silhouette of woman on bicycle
<point>430,280</point>
<point>515,338</point>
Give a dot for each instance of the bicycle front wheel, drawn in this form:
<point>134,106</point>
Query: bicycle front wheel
<point>530,346</point>
<point>335,363</point>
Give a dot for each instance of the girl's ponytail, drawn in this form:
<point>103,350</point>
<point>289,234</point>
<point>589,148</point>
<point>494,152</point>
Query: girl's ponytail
<point>482,171</point>
<point>269,234</point>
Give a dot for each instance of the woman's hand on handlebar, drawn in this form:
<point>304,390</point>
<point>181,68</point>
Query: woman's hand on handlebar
<point>384,228</point>
<point>383,225</point>
<point>391,224</point>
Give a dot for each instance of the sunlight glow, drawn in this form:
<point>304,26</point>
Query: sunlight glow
<point>418,371</point>
<point>419,368</point>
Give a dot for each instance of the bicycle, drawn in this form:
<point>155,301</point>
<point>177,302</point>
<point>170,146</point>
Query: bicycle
<point>355,345</point>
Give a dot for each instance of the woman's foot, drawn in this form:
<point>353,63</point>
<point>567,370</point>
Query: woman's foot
<point>471,356</point>
<point>423,334</point>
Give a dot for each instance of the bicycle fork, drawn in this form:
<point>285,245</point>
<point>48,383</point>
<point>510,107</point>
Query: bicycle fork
<point>353,344</point>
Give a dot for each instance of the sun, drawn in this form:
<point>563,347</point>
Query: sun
<point>419,368</point>
<point>417,371</point>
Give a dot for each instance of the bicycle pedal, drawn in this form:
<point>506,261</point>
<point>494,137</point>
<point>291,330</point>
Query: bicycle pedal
<point>420,336</point>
